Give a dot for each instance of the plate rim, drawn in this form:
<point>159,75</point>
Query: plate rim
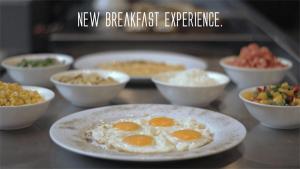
<point>121,158</point>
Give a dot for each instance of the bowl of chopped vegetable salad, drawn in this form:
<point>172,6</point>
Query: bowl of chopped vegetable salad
<point>275,106</point>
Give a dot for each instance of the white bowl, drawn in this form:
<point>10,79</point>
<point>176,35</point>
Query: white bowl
<point>278,117</point>
<point>191,96</point>
<point>90,95</point>
<point>17,117</point>
<point>39,76</point>
<point>247,77</point>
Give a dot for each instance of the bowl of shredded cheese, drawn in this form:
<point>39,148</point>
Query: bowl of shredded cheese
<point>193,87</point>
<point>20,106</point>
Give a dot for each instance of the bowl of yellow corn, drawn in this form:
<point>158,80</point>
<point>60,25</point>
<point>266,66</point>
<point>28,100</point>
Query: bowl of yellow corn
<point>21,106</point>
<point>275,106</point>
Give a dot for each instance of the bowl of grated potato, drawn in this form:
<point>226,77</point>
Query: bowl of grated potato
<point>89,88</point>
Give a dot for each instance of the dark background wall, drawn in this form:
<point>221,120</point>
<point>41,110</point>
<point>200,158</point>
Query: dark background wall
<point>284,13</point>
<point>20,30</point>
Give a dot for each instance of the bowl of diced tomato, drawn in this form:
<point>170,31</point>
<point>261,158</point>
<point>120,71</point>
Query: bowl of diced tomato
<point>255,65</point>
<point>275,106</point>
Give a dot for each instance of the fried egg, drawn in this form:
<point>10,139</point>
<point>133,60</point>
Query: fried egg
<point>102,132</point>
<point>159,124</point>
<point>188,138</point>
<point>188,135</point>
<point>141,143</point>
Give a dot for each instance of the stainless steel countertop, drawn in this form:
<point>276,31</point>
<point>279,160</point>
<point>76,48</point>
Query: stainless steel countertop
<point>262,148</point>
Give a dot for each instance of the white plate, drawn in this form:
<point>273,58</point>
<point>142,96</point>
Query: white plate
<point>68,132</point>
<point>92,60</point>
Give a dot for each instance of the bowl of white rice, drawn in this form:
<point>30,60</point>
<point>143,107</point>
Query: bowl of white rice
<point>193,87</point>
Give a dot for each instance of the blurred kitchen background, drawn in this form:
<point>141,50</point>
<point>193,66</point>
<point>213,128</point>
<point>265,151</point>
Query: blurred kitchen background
<point>30,26</point>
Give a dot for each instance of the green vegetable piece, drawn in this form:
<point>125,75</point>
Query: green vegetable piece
<point>269,95</point>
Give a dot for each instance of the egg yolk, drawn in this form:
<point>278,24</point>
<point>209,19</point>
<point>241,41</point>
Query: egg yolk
<point>126,126</point>
<point>186,135</point>
<point>161,122</point>
<point>139,140</point>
